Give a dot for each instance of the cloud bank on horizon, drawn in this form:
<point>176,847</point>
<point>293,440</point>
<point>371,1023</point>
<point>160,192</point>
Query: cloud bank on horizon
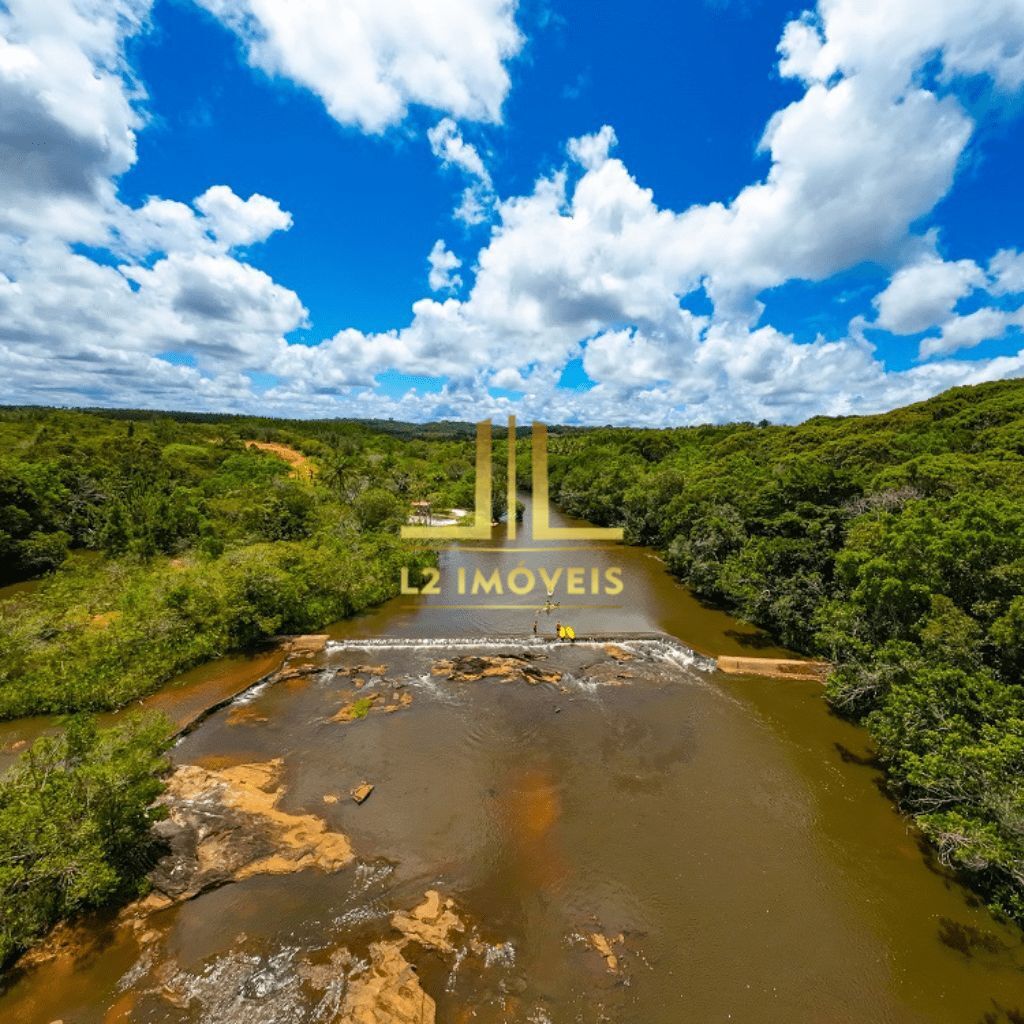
<point>581,299</point>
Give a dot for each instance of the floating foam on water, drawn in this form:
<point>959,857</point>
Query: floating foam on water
<point>370,873</point>
<point>581,684</point>
<point>522,642</point>
<point>502,954</point>
<point>245,988</point>
<point>138,970</point>
<point>251,694</point>
<point>460,955</point>
<point>670,651</point>
<point>427,643</point>
<point>436,690</point>
<point>365,914</point>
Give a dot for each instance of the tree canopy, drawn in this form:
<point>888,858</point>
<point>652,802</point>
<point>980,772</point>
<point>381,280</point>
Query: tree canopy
<point>892,545</point>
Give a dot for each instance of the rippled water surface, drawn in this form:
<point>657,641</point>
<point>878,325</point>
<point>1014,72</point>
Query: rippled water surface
<point>726,836</point>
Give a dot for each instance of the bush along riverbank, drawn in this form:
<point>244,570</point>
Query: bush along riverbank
<point>892,545</point>
<point>163,542</point>
<point>75,824</point>
<point>102,636</point>
<point>187,543</point>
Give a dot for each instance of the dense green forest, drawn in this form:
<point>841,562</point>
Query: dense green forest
<point>893,545</point>
<point>177,542</point>
<point>159,541</point>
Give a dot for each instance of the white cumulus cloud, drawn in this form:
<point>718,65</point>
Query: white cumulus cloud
<point>970,330</point>
<point>923,294</point>
<point>1006,269</point>
<point>449,146</point>
<point>71,325</point>
<point>443,264</point>
<point>586,264</point>
<point>234,221</point>
<point>368,60</point>
<point>590,151</point>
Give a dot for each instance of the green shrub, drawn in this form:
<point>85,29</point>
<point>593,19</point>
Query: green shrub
<point>75,816</point>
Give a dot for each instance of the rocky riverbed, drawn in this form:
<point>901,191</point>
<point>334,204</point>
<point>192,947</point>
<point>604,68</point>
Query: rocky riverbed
<point>406,832</point>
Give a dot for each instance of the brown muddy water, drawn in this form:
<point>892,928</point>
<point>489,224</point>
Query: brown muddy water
<point>637,840</point>
<point>650,599</point>
<point>183,700</point>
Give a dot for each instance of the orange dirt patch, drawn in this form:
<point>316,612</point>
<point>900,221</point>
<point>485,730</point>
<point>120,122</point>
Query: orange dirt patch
<point>301,464</point>
<point>104,619</point>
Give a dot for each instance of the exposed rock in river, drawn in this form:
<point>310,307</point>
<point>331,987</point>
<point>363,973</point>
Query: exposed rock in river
<point>243,714</point>
<point>356,709</point>
<point>387,991</point>
<point>362,791</point>
<point>359,708</point>
<point>431,923</point>
<point>287,675</point>
<point>400,700</point>
<point>604,946</point>
<point>469,668</point>
<point>224,825</point>
<point>308,643</point>
<point>365,670</point>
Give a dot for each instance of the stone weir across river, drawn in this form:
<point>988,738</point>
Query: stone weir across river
<point>516,830</point>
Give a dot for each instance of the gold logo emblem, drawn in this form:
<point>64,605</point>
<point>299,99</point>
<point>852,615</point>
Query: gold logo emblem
<point>541,524</point>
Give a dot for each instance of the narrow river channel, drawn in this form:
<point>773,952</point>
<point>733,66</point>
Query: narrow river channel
<point>633,838</point>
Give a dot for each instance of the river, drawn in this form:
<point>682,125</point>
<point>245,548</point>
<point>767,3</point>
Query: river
<point>726,836</point>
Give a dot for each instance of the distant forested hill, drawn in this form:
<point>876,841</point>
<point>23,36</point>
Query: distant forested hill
<point>892,545</point>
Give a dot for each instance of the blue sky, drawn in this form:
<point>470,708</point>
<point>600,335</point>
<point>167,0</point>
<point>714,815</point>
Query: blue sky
<point>368,208</point>
<point>677,213</point>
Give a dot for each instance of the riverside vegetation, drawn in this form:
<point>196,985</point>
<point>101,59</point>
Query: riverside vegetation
<point>164,543</point>
<point>75,817</point>
<point>185,543</point>
<point>892,545</point>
